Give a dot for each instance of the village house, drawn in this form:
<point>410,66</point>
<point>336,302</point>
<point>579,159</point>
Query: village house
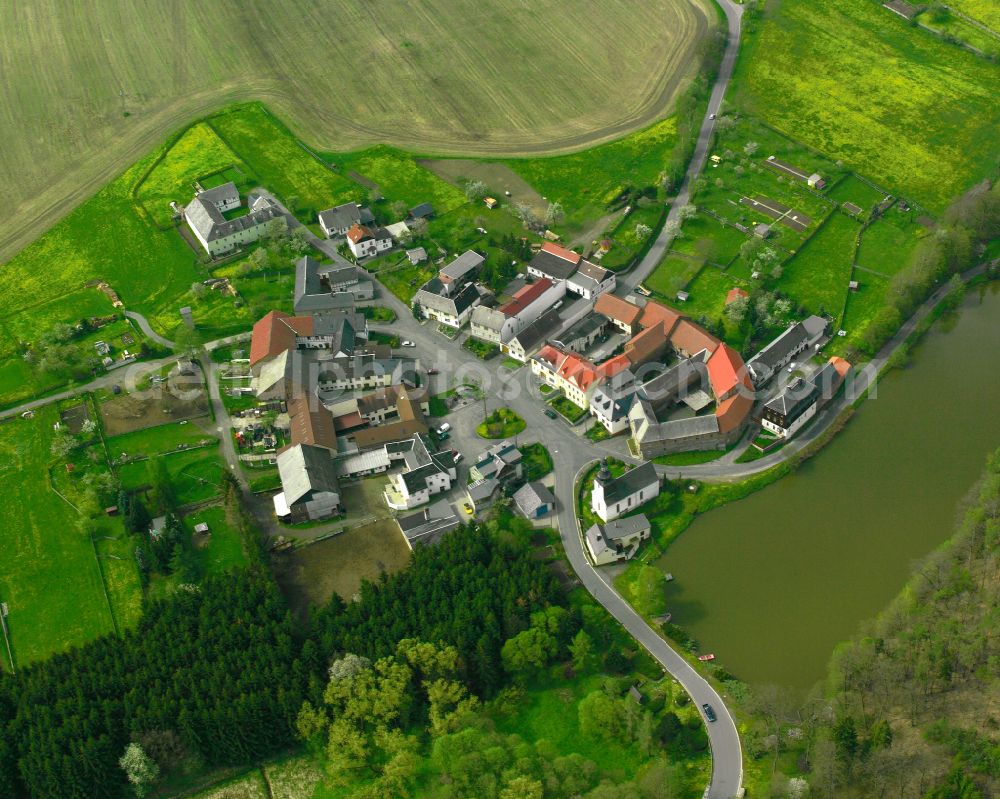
<point>591,281</point>
<point>582,334</point>
<point>798,338</point>
<point>612,497</point>
<point>310,423</point>
<point>526,343</point>
<point>424,475</point>
<point>409,422</point>
<point>366,242</point>
<point>205,215</point>
<point>447,303</point>
<point>416,256</point>
<point>278,332</point>
<point>618,540</point>
<point>785,414</point>
<point>462,269</point>
<point>309,488</point>
<point>528,303</point>
<point>568,372</point>
<point>554,262</point>
<point>623,314</point>
<point>335,222</point>
<point>317,286</point>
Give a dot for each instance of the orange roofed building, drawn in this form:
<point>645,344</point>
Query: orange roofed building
<point>275,333</point>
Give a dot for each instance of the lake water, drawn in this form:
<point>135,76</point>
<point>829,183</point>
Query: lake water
<point>773,582</point>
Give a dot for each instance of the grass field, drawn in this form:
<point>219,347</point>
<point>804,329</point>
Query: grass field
<point>862,305</point>
<point>193,474</point>
<point>855,81</point>
<point>817,277</point>
<point>887,244</point>
<point>280,162</point>
<point>89,90</point>
<point>963,30</point>
<point>399,176</point>
<point>586,182</point>
<point>672,275</point>
<point>706,238</point>
<point>854,190</point>
<point>156,440</point>
<point>197,153</point>
<point>49,575</point>
<point>708,293</point>
<point>984,11</point>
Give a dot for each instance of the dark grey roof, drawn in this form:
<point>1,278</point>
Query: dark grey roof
<point>416,479</point>
<point>428,525</point>
<point>461,266</point>
<point>794,400</point>
<point>552,265</point>
<point>341,217</point>
<point>225,193</point>
<point>434,294</point>
<point>304,470</point>
<point>630,483</point>
<point>538,331</point>
<point>693,426</point>
<point>531,496</point>
<point>582,329</point>
<point>212,225</point>
<point>367,217</point>
<point>422,210</point>
<point>775,353</point>
<point>623,528</point>
<point>482,490</point>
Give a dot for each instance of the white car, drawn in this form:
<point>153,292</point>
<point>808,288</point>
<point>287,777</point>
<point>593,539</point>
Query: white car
<point>444,428</point>
<point>711,116</point>
<point>408,344</point>
<point>791,367</point>
<point>458,456</point>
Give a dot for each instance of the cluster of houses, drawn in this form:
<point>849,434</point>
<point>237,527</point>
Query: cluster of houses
<point>210,219</point>
<point>365,238</point>
<point>453,298</point>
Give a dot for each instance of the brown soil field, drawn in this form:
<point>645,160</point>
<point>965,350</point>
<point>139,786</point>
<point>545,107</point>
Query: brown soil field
<point>309,576</point>
<point>89,88</point>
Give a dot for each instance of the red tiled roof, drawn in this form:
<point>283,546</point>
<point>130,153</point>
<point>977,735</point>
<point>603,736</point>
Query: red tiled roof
<point>725,371</point>
<point>734,294</point>
<point>842,366</point>
<point>578,371</point>
<point>734,411</point>
<point>525,297</point>
<point>612,367</point>
<point>646,345</point>
<point>275,333</point>
<point>561,252</point>
<point>311,423</point>
<point>550,354</point>
<point>358,232</point>
<point>348,421</point>
<point>618,309</point>
<point>654,313</point>
<point>691,339</point>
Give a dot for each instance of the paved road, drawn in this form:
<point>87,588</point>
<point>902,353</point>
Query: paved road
<point>146,328</point>
<point>734,15</point>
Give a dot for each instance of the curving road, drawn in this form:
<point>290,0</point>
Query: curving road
<point>734,16</point>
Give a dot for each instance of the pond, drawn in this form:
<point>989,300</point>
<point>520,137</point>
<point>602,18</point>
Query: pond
<point>772,583</point>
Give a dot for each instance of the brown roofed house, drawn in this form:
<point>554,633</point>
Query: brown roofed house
<point>689,339</point>
<point>311,423</point>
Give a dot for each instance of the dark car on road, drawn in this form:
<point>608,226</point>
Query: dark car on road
<point>709,713</point>
<point>551,413</point>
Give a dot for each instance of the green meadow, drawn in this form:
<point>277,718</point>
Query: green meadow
<point>856,82</point>
<point>817,276</point>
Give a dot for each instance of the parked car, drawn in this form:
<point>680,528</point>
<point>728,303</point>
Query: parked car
<point>408,344</point>
<point>709,713</point>
<point>711,116</point>
<point>551,413</point>
<point>791,367</point>
<point>433,371</point>
<point>444,428</point>
<point>457,455</point>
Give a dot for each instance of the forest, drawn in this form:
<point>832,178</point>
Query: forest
<point>219,670</point>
